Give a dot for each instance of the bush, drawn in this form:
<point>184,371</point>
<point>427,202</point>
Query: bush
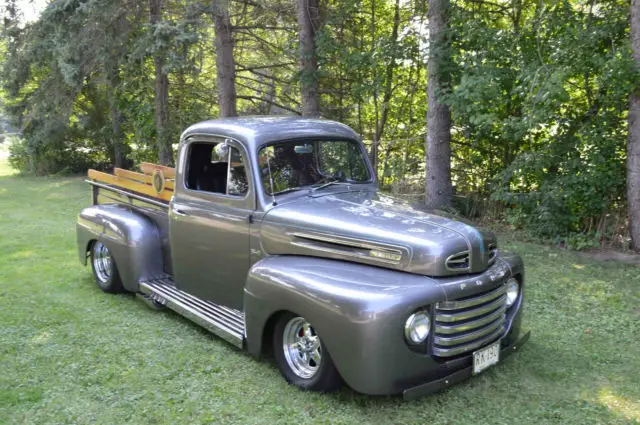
<point>61,159</point>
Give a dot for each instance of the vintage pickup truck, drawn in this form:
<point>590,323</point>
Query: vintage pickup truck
<point>271,233</point>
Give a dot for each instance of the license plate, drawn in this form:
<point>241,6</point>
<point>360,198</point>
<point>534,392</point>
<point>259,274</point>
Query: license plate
<point>486,357</point>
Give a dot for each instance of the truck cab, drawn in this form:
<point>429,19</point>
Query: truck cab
<point>271,232</point>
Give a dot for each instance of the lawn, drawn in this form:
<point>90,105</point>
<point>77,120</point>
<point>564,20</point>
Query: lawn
<point>72,354</point>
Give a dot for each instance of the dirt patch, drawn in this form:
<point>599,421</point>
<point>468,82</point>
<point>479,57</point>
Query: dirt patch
<point>609,254</point>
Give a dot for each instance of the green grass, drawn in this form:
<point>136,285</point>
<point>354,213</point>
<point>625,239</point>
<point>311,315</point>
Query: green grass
<point>72,354</point>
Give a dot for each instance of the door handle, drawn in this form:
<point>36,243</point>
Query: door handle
<point>180,213</point>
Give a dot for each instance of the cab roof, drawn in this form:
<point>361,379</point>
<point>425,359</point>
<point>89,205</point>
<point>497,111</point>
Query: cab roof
<point>255,131</point>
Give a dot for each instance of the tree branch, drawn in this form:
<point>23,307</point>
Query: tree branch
<point>262,99</point>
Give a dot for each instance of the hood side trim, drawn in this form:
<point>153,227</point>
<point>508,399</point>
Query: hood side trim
<point>383,253</point>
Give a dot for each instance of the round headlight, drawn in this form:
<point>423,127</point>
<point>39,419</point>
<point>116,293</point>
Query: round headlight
<point>417,327</point>
<point>513,289</point>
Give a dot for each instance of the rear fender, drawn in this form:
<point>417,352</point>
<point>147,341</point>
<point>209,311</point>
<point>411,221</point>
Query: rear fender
<point>134,241</point>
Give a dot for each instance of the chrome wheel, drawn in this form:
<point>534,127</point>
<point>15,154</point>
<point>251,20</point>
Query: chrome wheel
<point>102,262</point>
<point>302,348</point>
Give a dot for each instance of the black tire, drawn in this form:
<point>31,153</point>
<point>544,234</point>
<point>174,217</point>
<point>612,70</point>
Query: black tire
<point>104,269</point>
<point>325,378</point>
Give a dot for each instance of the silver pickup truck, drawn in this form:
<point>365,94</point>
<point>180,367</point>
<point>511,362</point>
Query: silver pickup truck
<point>275,237</point>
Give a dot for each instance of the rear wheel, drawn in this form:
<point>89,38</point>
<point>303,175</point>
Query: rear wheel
<point>104,269</point>
<point>301,357</point>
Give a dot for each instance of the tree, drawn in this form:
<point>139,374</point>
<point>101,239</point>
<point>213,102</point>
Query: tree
<point>438,139</point>
<point>308,21</point>
<point>225,62</point>
<point>113,56</point>
<point>388,87</point>
<point>161,104</point>
<point>633,144</point>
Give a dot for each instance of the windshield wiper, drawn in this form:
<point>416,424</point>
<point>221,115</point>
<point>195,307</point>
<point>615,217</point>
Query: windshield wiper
<point>291,189</point>
<point>327,184</point>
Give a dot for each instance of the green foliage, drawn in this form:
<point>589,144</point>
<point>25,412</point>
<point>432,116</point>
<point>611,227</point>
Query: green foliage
<point>580,241</point>
<point>542,108</point>
<point>538,90</point>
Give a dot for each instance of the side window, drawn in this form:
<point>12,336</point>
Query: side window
<point>216,168</point>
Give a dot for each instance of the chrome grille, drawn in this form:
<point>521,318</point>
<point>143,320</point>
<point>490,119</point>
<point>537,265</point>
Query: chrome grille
<point>459,261</point>
<point>469,323</point>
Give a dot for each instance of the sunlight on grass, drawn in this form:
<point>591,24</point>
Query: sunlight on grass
<point>630,409</point>
<point>43,338</point>
<point>5,169</point>
<point>21,254</point>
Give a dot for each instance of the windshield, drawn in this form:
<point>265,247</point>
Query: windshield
<point>294,165</point>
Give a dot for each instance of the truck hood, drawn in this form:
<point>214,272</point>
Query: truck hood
<point>371,228</point>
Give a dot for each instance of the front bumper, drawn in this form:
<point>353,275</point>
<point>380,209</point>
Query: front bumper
<point>459,375</point>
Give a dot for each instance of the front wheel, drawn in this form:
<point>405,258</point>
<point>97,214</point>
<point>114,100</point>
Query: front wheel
<point>104,269</point>
<point>302,359</point>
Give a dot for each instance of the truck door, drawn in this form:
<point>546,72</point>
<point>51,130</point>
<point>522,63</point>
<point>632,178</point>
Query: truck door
<point>209,220</point>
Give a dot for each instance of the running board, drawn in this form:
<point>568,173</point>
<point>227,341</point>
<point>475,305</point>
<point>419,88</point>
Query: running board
<point>225,322</point>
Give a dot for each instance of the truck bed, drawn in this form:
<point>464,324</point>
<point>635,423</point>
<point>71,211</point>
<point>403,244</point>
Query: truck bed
<point>136,191</point>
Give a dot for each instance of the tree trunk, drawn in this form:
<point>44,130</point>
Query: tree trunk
<point>633,144</point>
<point>391,67</point>
<point>386,98</point>
<point>161,104</point>
<point>116,117</point>
<point>438,140</point>
<point>225,62</point>
<point>373,153</point>
<point>308,21</point>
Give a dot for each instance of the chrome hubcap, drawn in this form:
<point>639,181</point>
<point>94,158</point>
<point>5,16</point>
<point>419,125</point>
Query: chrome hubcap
<point>102,262</point>
<point>302,348</point>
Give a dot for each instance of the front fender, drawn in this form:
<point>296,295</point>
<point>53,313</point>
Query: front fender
<point>134,241</point>
<point>358,310</point>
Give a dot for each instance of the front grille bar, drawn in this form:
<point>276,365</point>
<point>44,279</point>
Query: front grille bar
<point>469,314</point>
<point>470,302</point>
<point>462,349</point>
<point>469,336</point>
<point>466,324</point>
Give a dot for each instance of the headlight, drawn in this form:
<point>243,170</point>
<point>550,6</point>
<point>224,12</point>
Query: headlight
<point>417,327</point>
<point>513,289</point>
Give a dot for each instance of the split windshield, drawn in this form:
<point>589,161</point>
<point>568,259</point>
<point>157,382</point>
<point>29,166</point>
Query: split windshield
<point>288,166</point>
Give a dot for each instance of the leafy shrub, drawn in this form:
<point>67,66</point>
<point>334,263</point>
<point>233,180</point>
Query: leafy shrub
<point>580,241</point>
<point>62,159</point>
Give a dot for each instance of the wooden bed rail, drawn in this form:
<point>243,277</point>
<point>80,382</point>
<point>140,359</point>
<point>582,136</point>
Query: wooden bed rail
<point>157,181</point>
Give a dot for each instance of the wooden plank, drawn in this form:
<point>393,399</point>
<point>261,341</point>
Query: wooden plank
<point>148,168</point>
<point>125,183</point>
<point>142,178</point>
<point>132,175</point>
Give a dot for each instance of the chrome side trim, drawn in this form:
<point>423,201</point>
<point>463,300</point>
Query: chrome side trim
<point>470,302</point>
<point>470,336</point>
<point>457,317</point>
<point>125,193</point>
<point>350,247</point>
<point>467,326</point>
<point>454,351</point>
<point>225,322</point>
